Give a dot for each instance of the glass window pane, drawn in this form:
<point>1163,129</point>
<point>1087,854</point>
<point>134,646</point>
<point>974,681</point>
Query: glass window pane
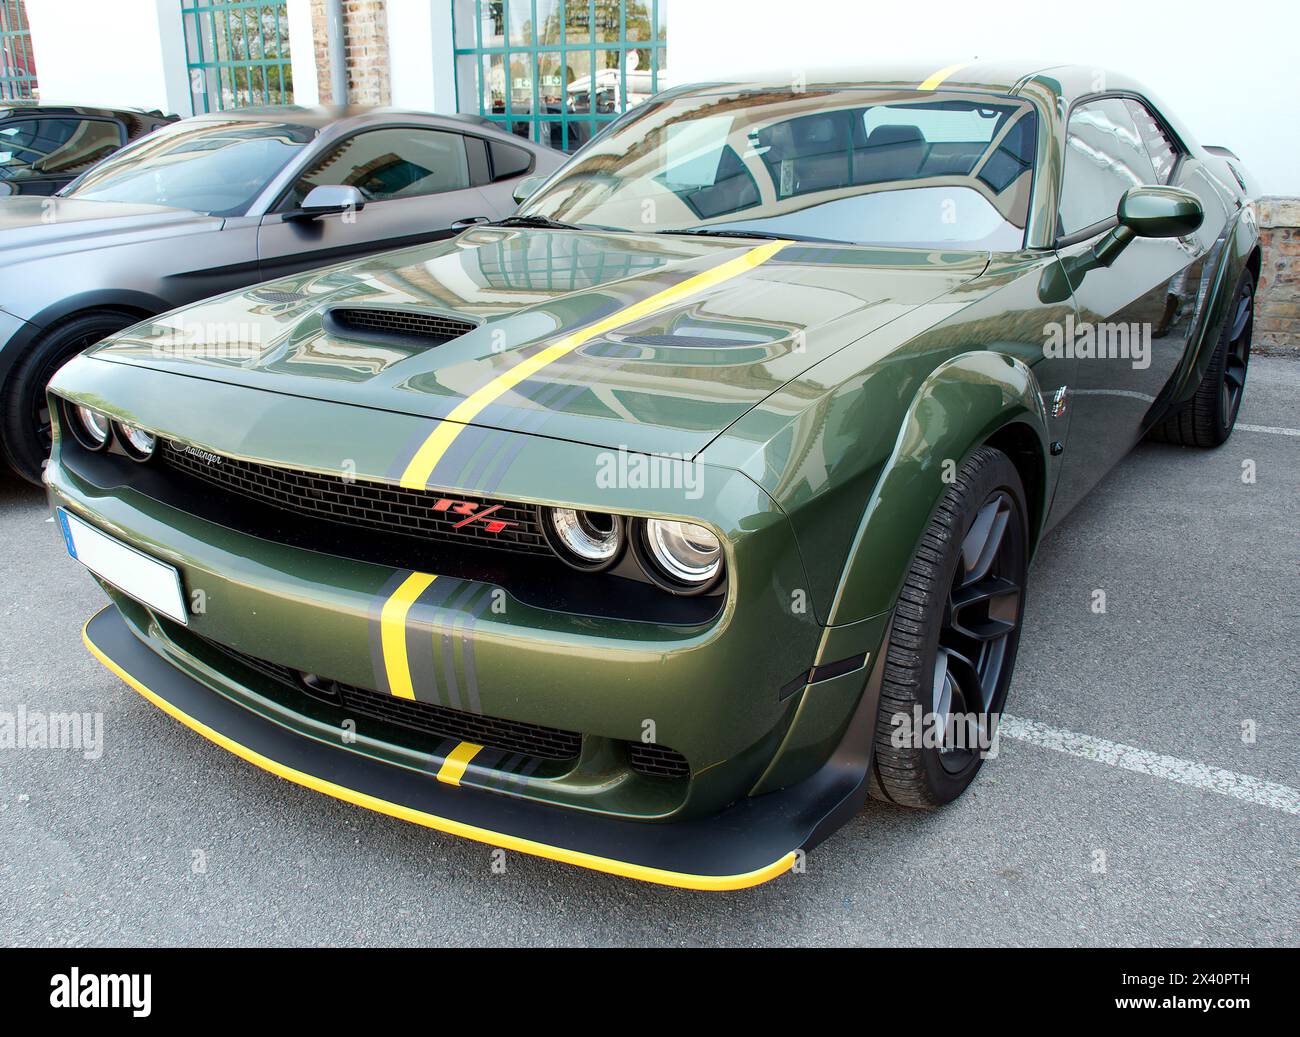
<point>462,13</point>
<point>492,28</point>
<point>577,77</point>
<point>922,174</point>
<point>55,147</point>
<point>398,163</point>
<point>508,161</point>
<point>549,26</point>
<point>577,21</point>
<point>608,21</point>
<point>1104,157</point>
<point>550,83</point>
<point>578,132</point>
<point>521,23</point>
<point>1159,146</point>
<point>662,78</point>
<point>521,84</point>
<point>211,167</point>
<point>549,132</point>
<point>467,83</point>
<point>494,80</point>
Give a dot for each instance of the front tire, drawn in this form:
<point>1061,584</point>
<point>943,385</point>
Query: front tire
<point>1207,419</point>
<point>24,410</point>
<point>953,641</point>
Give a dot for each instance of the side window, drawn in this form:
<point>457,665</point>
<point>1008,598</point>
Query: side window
<point>383,164</point>
<point>1104,157</point>
<point>507,160</point>
<point>1159,147</point>
<point>55,147</point>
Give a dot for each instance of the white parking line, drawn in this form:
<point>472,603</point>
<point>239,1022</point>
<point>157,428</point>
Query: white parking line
<point>1270,428</point>
<point>1185,772</point>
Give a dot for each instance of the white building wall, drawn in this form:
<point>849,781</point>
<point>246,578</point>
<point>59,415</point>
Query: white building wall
<point>1224,69</point>
<point>124,52</point>
<point>421,68</point>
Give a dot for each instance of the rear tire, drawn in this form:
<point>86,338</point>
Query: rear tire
<point>24,412</point>
<point>956,628</point>
<point>1207,419</point>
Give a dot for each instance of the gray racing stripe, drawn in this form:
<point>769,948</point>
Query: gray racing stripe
<point>420,635</point>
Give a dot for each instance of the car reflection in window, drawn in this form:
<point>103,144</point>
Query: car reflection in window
<point>948,172</point>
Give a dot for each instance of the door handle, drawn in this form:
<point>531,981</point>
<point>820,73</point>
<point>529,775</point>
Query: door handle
<point>468,221</point>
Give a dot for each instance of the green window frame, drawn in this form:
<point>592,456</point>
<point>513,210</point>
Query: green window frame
<point>237,53</point>
<point>17,66</point>
<point>607,25</point>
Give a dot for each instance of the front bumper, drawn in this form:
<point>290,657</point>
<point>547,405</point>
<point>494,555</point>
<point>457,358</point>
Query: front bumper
<point>746,844</point>
<point>771,759</point>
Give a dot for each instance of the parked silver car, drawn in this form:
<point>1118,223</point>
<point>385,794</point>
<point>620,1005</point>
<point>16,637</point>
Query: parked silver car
<point>219,202</point>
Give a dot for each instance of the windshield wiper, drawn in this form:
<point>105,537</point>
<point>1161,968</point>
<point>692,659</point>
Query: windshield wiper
<point>710,232</point>
<point>533,221</point>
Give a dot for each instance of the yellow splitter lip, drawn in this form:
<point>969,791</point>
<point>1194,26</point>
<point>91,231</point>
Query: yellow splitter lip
<point>409,795</point>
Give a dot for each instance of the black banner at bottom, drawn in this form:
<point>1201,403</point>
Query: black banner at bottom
<point>340,985</point>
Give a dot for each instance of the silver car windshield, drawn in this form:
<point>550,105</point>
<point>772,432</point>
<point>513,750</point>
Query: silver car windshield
<point>863,166</point>
<point>210,167</point>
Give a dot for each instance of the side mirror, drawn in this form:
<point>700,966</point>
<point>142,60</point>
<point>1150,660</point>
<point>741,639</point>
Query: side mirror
<point>1160,212</point>
<point>1149,212</point>
<point>527,186</point>
<point>328,199</point>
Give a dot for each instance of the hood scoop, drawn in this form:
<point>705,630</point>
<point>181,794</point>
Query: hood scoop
<point>401,327</point>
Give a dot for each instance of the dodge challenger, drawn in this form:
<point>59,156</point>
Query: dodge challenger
<point>653,528</point>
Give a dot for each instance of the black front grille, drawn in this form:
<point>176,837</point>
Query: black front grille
<point>657,760</point>
<point>445,518</point>
<point>547,743</point>
<point>433,328</point>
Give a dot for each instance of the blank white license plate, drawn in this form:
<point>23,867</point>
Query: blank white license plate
<point>146,579</point>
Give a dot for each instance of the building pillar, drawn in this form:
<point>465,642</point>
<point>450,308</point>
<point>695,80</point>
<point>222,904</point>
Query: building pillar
<point>366,43</point>
<point>421,55</point>
<point>129,53</point>
<point>302,54</point>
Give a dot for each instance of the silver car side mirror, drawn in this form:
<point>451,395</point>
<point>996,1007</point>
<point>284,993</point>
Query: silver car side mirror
<point>328,199</point>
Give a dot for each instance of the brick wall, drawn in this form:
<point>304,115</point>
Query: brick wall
<point>1277,307</point>
<point>365,39</point>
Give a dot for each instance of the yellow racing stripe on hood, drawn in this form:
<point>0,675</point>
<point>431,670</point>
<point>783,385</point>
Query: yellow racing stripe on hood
<point>418,471</point>
<point>933,82</point>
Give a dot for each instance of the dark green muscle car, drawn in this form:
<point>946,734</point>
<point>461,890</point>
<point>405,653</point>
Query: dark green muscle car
<point>653,528</point>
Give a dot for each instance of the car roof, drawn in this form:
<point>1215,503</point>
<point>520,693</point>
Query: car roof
<point>28,106</point>
<point>1001,77</point>
<point>348,117</point>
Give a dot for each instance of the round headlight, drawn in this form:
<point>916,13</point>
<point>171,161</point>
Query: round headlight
<point>584,539</point>
<point>90,427</point>
<point>683,552</point>
<point>136,441</point>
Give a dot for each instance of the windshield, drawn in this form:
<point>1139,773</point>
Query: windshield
<point>211,167</point>
<point>841,165</point>
<point>54,147</point>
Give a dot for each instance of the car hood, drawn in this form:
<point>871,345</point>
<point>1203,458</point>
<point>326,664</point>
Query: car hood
<point>694,356</point>
<point>29,223</point>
